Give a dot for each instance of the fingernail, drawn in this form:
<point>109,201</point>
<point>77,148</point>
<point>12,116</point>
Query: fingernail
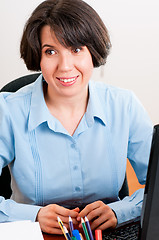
<point>80,225</point>
<point>78,218</point>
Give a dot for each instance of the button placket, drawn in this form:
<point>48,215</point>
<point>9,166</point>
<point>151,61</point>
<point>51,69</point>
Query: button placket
<point>76,170</point>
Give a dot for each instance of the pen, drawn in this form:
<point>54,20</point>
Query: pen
<point>81,236</point>
<point>76,234</point>
<point>71,225</point>
<point>98,234</point>
<point>73,238</point>
<point>89,228</point>
<point>85,229</point>
<point>67,233</point>
<point>61,226</point>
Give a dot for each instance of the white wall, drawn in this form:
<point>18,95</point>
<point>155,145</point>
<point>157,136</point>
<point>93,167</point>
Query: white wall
<point>134,60</point>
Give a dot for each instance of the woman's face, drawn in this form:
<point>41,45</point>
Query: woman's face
<point>66,70</point>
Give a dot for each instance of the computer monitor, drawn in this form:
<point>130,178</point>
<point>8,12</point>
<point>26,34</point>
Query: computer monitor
<point>150,209</point>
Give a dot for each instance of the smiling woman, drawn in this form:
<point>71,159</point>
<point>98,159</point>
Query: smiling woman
<point>70,137</point>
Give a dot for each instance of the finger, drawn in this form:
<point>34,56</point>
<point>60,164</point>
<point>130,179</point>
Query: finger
<point>96,210</point>
<point>107,224</point>
<point>50,226</point>
<point>56,231</point>
<point>66,225</point>
<point>51,230</point>
<point>95,213</point>
<point>88,209</point>
<point>65,212</point>
<point>65,218</point>
<point>76,209</point>
<point>98,222</point>
<point>104,221</point>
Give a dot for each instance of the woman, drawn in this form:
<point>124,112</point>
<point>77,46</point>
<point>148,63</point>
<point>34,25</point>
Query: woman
<point>70,137</point>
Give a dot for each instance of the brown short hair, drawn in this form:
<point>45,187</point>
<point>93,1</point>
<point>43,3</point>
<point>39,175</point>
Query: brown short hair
<point>74,23</point>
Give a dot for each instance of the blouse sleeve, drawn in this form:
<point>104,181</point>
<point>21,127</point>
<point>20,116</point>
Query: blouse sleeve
<point>139,144</point>
<point>6,135</point>
<point>9,209</point>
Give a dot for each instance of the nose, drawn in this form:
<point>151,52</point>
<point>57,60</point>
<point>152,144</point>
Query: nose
<point>66,62</point>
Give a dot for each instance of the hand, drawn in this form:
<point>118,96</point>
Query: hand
<point>47,218</point>
<point>100,215</point>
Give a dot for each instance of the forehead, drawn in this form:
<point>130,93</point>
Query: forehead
<point>47,36</point>
<point>66,35</point>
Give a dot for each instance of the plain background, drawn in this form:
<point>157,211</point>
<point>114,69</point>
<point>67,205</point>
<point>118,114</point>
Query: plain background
<point>134,60</point>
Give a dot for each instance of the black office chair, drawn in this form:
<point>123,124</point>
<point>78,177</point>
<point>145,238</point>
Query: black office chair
<point>5,179</point>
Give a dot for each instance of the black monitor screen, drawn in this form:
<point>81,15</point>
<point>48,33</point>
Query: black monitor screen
<point>150,209</point>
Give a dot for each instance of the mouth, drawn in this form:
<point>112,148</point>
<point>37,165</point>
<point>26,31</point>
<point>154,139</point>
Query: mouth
<point>67,81</point>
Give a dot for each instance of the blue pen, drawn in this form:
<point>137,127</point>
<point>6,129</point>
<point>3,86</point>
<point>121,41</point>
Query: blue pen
<point>89,229</point>
<point>76,234</point>
<point>71,225</point>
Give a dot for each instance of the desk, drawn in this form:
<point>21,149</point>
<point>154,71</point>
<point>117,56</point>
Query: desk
<point>53,237</point>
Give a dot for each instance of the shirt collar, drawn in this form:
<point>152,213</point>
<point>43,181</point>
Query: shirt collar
<point>95,106</point>
<point>39,112</point>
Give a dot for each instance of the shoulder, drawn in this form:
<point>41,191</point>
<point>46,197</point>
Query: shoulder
<point>10,97</point>
<point>112,94</point>
<point>13,104</point>
<point>21,95</point>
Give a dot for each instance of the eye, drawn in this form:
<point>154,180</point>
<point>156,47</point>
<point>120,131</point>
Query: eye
<point>77,50</point>
<point>50,52</point>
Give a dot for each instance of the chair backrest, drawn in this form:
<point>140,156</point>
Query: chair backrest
<point>125,189</point>
<point>5,189</point>
<point>18,83</point>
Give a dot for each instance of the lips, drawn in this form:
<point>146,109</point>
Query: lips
<point>67,81</point>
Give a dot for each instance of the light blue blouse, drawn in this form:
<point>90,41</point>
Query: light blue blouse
<point>50,166</point>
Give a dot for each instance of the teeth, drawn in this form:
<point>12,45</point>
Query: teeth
<point>67,80</point>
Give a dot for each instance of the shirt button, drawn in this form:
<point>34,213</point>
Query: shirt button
<point>75,167</point>
<point>78,189</point>
<point>72,145</point>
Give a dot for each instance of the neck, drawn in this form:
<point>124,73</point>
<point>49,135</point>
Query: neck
<point>69,104</point>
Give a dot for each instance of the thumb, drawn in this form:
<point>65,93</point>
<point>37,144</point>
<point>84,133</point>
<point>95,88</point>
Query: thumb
<point>76,209</point>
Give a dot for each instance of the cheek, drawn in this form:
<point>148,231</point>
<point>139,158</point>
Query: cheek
<point>87,67</point>
<point>47,65</point>
<point>47,69</point>
<point>43,65</point>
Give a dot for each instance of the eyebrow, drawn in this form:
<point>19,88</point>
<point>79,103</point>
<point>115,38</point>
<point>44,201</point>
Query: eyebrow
<point>47,45</point>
